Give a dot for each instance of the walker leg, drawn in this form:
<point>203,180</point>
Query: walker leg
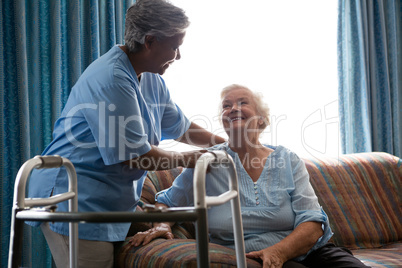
<point>202,239</point>
<point>17,230</point>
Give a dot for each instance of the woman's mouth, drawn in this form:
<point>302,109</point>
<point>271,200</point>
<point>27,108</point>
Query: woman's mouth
<point>235,119</point>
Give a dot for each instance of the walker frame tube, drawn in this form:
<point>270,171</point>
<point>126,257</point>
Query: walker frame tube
<point>202,201</point>
<point>198,213</point>
<point>21,203</point>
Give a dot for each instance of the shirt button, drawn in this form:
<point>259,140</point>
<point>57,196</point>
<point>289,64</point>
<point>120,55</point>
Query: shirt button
<point>258,203</point>
<point>256,198</point>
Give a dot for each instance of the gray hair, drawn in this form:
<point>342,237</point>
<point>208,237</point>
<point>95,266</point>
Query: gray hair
<point>261,107</point>
<point>158,18</point>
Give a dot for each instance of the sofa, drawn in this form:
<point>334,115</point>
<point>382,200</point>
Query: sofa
<point>361,193</point>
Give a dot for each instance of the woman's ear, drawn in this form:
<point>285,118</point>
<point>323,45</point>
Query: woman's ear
<point>149,41</point>
<point>261,121</point>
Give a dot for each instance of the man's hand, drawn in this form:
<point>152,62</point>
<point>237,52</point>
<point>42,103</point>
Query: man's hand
<point>159,159</point>
<point>200,137</point>
<point>190,158</point>
<point>161,230</point>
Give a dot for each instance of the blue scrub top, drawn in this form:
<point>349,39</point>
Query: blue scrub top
<point>271,208</point>
<point>110,117</point>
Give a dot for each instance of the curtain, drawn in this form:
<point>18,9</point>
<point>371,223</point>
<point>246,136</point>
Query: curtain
<point>370,75</point>
<point>44,47</point>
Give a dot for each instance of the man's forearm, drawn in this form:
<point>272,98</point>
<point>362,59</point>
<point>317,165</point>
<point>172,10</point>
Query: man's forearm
<point>159,159</point>
<point>200,137</point>
<point>156,159</point>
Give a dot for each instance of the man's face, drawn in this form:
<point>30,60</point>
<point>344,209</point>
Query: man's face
<point>165,52</point>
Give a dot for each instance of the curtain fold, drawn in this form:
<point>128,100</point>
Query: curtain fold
<point>370,75</point>
<point>44,47</point>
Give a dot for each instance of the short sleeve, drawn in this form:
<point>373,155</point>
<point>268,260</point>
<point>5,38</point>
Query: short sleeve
<point>305,203</point>
<point>168,120</point>
<point>304,200</point>
<point>174,123</point>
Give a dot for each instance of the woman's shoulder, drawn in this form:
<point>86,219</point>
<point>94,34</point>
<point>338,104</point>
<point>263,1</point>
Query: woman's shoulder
<point>282,151</point>
<point>221,147</point>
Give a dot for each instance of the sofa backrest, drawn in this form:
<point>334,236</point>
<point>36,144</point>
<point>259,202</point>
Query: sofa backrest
<point>361,193</point>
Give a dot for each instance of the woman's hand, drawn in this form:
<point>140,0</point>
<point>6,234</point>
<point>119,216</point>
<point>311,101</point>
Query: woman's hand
<point>271,257</point>
<point>297,243</point>
<point>161,230</point>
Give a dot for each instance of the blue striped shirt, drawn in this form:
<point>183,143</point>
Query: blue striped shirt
<point>280,200</point>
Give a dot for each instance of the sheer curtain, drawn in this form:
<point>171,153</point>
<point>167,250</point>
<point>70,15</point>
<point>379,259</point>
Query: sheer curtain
<point>370,75</point>
<point>44,47</point>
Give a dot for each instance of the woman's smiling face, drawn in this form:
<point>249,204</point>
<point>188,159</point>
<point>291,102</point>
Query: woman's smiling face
<point>239,112</point>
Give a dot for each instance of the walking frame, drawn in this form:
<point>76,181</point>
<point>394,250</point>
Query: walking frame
<point>37,209</point>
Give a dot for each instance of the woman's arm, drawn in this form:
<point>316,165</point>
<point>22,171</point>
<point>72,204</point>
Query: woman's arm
<point>198,136</point>
<point>297,243</point>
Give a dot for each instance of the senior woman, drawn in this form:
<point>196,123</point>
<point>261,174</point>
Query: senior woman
<point>283,222</point>
<point>116,115</point>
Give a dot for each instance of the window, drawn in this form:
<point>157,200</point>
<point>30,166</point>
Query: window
<point>284,49</point>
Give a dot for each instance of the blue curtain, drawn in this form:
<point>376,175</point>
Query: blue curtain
<point>370,75</point>
<point>44,47</point>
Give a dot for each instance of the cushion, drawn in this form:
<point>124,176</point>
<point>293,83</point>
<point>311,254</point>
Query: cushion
<point>177,253</point>
<point>387,256</point>
<point>361,195</point>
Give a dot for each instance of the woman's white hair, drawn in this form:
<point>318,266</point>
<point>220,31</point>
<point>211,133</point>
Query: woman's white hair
<point>261,107</point>
<point>158,18</point>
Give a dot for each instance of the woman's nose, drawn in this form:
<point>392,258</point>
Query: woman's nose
<point>178,55</point>
<point>235,108</point>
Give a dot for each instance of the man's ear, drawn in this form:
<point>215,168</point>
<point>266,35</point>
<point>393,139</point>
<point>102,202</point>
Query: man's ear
<point>149,41</point>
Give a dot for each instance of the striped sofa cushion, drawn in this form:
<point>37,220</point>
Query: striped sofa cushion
<point>177,253</point>
<point>361,195</point>
<point>387,256</point>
